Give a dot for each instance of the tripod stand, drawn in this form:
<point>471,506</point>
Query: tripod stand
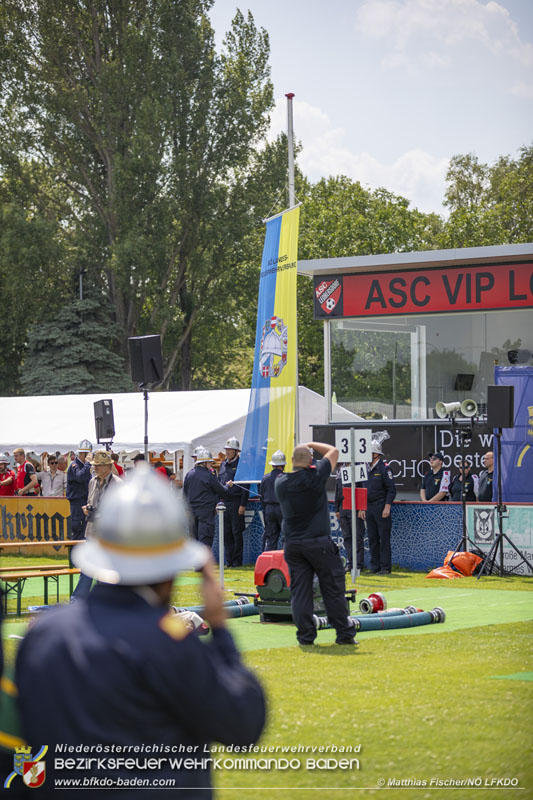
<point>501,509</point>
<point>465,538</point>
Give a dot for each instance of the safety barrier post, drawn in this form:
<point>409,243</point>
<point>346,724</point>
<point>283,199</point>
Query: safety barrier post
<point>220,511</point>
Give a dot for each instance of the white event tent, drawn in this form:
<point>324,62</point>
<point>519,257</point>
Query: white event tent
<point>177,421</point>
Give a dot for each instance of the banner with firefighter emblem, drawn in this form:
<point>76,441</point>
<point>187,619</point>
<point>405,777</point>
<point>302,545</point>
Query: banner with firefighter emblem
<point>271,412</point>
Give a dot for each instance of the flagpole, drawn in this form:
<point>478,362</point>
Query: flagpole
<point>292,203</point>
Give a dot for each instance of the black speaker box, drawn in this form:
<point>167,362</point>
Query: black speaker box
<point>103,419</point>
<point>500,406</point>
<point>146,359</point>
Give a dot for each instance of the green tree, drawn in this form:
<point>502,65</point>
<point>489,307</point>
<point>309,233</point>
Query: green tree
<point>341,218</point>
<point>489,205</point>
<point>33,277</point>
<point>153,133</point>
<point>73,353</point>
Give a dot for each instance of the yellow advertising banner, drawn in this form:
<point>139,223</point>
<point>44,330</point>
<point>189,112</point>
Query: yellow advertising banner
<point>35,519</point>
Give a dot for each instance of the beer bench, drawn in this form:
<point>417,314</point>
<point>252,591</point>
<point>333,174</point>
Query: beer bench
<point>15,578</point>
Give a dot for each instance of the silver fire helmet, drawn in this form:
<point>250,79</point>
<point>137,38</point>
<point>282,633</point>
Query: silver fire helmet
<point>203,455</point>
<point>139,534</point>
<point>233,443</point>
<point>278,459</point>
<point>85,446</point>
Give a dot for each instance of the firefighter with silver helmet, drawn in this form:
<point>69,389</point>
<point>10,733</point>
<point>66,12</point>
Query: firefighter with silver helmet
<point>203,490</point>
<point>271,506</point>
<point>235,501</point>
<point>122,669</point>
<point>381,493</point>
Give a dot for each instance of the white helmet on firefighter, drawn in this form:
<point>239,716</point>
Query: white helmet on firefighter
<point>203,455</point>
<point>232,444</point>
<point>85,446</point>
<point>139,534</point>
<point>4,459</point>
<point>376,447</point>
<point>278,459</point>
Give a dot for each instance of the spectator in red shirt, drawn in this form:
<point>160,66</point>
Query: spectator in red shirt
<point>7,478</point>
<point>26,479</point>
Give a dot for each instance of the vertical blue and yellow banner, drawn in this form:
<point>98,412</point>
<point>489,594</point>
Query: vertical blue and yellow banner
<point>271,412</point>
<point>517,442</point>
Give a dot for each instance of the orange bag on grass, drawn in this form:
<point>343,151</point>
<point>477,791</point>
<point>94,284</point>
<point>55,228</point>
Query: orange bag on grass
<point>466,563</point>
<point>444,572</point>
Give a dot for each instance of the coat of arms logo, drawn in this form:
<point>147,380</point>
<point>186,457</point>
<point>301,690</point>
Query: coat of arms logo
<point>273,350</point>
<point>31,769</point>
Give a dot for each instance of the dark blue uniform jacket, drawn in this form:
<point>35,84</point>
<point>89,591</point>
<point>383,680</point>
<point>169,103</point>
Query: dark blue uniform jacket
<point>226,473</point>
<point>380,484</point>
<point>202,488</point>
<point>78,477</point>
<point>266,490</point>
<point>114,670</point>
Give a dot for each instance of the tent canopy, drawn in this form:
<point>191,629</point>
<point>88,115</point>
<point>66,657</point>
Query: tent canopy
<point>177,421</point>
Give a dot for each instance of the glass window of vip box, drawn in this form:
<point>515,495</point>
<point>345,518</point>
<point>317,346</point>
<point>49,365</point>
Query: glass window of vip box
<point>399,340</point>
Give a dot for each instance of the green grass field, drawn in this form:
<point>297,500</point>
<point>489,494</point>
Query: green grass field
<point>450,702</point>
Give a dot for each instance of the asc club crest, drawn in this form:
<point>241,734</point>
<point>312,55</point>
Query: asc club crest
<point>32,769</point>
<point>273,349</point>
<point>328,295</point>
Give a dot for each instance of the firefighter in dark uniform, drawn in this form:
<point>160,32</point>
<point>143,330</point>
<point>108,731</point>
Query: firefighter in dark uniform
<point>470,485</point>
<point>436,482</point>
<point>381,493</point>
<point>309,548</point>
<point>235,500</point>
<point>272,510</point>
<point>344,515</point>
<point>203,491</point>
<point>78,478</point>
<point>121,670</point>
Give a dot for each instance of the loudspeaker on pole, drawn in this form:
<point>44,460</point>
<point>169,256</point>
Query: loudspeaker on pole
<point>103,420</point>
<point>500,406</point>
<point>146,359</point>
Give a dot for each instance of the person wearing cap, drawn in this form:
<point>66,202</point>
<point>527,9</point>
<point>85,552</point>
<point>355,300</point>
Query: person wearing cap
<point>203,490</point>
<point>436,482</point>
<point>138,459</point>
<point>309,548</point>
<point>7,477</point>
<point>103,467</point>
<point>344,515</point>
<point>26,478</point>
<point>122,671</point>
<point>78,477</point>
<point>381,492</point>
<point>271,506</point>
<point>235,501</point>
<point>470,484</point>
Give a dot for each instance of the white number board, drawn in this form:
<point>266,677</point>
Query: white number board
<point>361,474</point>
<point>363,445</point>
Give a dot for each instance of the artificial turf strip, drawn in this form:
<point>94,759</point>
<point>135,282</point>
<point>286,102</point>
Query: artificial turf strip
<point>420,709</point>
<point>517,676</point>
<point>466,609</point>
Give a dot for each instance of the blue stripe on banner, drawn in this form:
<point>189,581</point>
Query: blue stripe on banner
<point>252,460</point>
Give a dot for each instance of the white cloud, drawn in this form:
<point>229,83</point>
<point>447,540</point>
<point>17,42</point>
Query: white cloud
<point>416,174</point>
<point>441,23</point>
<point>523,89</point>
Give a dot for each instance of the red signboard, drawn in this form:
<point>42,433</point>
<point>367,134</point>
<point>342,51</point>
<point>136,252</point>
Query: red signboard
<point>430,291</point>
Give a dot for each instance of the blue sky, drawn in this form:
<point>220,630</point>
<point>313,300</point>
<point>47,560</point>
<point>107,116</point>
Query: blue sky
<point>386,91</point>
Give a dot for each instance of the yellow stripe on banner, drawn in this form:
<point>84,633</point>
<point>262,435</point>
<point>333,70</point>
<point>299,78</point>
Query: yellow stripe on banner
<point>283,386</point>
<point>521,455</point>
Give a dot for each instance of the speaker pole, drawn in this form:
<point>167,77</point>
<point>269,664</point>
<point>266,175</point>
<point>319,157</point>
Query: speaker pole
<point>145,393</point>
<point>501,508</point>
